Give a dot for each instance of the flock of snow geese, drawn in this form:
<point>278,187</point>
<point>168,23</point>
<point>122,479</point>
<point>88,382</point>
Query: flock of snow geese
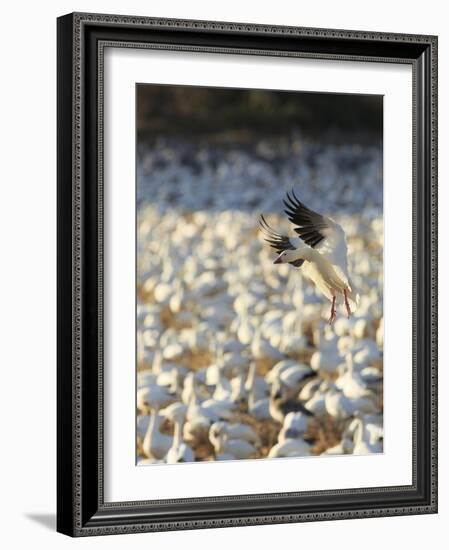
<point>238,356</point>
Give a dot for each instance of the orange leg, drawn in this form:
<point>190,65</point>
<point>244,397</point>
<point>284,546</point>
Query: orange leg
<point>333,314</point>
<point>348,309</point>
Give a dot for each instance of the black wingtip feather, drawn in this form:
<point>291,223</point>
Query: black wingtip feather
<point>275,240</point>
<point>295,197</point>
<point>308,223</point>
<point>292,204</point>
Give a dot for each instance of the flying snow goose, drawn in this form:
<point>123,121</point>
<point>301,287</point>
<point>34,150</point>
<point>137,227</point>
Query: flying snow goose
<point>320,250</point>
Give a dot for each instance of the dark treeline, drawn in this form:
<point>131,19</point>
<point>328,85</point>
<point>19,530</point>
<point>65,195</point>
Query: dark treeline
<point>183,111</point>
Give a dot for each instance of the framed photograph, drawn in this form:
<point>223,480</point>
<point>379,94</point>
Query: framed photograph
<point>247,277</point>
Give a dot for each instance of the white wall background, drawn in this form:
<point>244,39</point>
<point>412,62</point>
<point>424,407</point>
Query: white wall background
<point>27,273</point>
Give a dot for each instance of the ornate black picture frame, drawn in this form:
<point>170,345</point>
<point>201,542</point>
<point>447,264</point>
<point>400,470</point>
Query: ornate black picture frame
<point>81,510</point>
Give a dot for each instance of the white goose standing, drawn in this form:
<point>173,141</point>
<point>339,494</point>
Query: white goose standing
<point>226,447</point>
<point>320,249</point>
<point>362,443</point>
<point>179,451</point>
<point>155,445</point>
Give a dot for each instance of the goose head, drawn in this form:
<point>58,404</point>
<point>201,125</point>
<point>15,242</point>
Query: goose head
<point>176,412</point>
<point>288,256</point>
<point>217,435</point>
<point>177,382</point>
<point>278,391</point>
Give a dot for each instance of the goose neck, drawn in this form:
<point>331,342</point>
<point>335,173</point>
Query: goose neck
<point>149,436</point>
<point>177,434</point>
<point>360,435</point>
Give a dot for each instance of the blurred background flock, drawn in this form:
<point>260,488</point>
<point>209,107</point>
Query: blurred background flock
<point>235,358</point>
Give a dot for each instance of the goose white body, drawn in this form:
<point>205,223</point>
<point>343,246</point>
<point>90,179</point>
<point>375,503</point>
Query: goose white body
<point>363,443</point>
<point>224,442</point>
<point>155,445</point>
<point>290,447</point>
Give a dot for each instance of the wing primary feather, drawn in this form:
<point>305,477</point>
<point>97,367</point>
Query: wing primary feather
<point>309,224</point>
<point>288,201</point>
<point>276,241</point>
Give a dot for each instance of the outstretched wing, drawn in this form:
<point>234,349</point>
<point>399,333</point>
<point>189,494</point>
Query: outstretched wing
<point>276,241</point>
<point>310,225</point>
<point>319,232</point>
